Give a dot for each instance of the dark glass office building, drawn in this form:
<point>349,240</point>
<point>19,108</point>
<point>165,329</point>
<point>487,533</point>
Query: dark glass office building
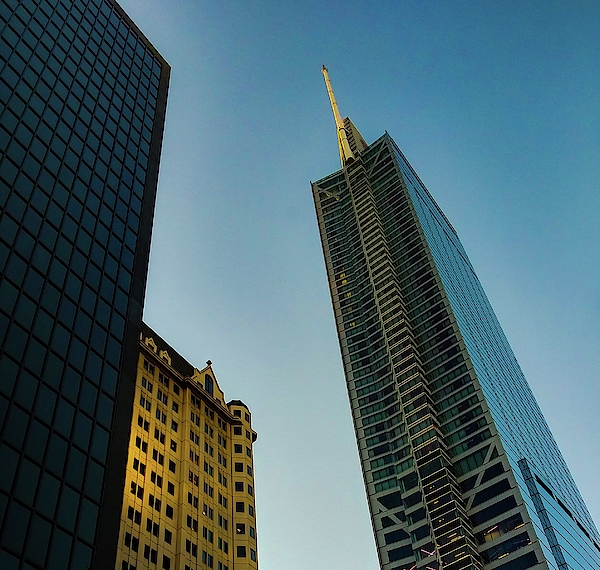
<point>82,107</point>
<point>460,468</point>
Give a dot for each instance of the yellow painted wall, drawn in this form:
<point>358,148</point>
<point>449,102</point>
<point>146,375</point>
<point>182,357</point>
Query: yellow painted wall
<point>184,447</point>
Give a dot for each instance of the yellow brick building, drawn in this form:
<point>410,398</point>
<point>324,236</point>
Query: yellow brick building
<point>188,502</point>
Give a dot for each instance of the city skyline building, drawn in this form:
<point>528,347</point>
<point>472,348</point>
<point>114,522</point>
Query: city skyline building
<point>189,492</point>
<point>83,99</point>
<point>460,468</point>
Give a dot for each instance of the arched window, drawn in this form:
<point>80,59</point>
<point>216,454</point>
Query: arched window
<point>208,384</point>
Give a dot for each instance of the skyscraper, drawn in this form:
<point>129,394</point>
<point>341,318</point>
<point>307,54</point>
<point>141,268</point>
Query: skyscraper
<point>189,492</point>
<point>82,103</point>
<point>460,468</point>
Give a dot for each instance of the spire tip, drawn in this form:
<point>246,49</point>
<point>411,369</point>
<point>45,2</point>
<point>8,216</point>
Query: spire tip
<point>346,153</point>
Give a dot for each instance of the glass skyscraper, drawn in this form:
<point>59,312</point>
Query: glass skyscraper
<point>82,107</point>
<point>460,468</point>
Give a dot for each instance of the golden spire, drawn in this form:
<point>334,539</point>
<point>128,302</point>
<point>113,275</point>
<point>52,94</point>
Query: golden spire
<point>346,153</point>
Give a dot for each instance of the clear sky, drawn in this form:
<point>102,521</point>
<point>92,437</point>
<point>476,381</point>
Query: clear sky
<point>496,105</point>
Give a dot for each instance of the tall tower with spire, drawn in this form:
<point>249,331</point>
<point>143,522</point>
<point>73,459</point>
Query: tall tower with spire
<point>460,468</point>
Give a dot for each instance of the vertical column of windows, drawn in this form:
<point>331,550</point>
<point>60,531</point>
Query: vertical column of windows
<point>244,548</point>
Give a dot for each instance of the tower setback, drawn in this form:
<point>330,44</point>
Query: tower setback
<point>460,468</point>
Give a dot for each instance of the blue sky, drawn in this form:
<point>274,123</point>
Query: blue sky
<point>496,106</point>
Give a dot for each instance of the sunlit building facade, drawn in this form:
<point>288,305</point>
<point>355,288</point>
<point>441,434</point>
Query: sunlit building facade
<point>460,468</point>
<point>189,490</point>
<point>82,108</point>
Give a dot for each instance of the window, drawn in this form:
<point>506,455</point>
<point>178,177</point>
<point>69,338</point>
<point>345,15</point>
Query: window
<point>239,507</point>
<point>239,486</point>
<point>172,466</point>
<point>166,563</point>
<point>253,555</point>
<point>223,545</point>
<point>506,547</point>
<point>175,407</point>
<point>251,510</point>
<point>240,528</point>
<point>158,457</point>
<point>208,384</point>
<point>239,467</point>
<point>169,511</point>
<point>192,523</point>
<point>247,417</point>
<point>241,551</point>
<point>156,479</point>
<point>249,470</point>
<point>207,534</point>
<point>248,452</point>
<point>173,445</point>
<point>148,367</point>
<point>237,413</point>
<point>168,536</point>
<point>237,430</point>
<point>252,532</point>
<point>250,490</point>
<point>237,448</point>
<point>174,425</point>
<point>163,380</point>
<point>170,488</point>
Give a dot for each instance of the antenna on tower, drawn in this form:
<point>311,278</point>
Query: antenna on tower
<point>346,153</point>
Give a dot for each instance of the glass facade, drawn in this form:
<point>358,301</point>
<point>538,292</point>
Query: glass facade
<point>460,468</point>
<point>83,98</point>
